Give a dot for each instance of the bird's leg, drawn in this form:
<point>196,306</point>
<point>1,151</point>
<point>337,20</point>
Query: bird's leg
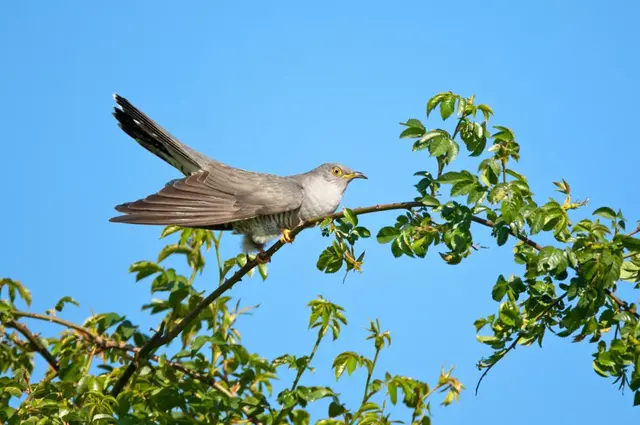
<point>287,237</point>
<point>260,257</point>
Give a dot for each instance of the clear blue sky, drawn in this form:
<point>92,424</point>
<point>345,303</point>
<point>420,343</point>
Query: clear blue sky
<point>281,87</point>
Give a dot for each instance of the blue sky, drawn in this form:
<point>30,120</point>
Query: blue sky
<point>282,87</point>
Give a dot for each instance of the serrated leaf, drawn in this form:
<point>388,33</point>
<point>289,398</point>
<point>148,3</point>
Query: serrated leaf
<point>447,106</point>
<point>169,230</point>
<point>329,261</point>
<point>412,122</point>
<point>631,243</point>
<point>455,177</point>
<point>486,111</point>
<point>350,217</point>
<point>433,102</point>
<point>439,146</point>
<point>144,269</point>
<point>411,133</point>
<point>387,234</point>
<point>171,250</point>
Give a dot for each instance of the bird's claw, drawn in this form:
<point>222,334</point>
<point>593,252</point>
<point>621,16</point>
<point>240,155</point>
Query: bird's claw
<point>287,237</point>
<point>261,258</point>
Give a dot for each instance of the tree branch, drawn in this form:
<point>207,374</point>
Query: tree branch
<point>41,349</point>
<point>515,342</point>
<point>106,343</point>
<point>159,339</point>
<point>622,304</point>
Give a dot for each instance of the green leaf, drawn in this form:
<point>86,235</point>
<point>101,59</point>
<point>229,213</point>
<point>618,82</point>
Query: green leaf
<point>428,138</point>
<point>173,249</point>
<point>350,217</point>
<point>429,201</point>
<point>336,409</point>
<point>363,232</point>
<point>439,146</point>
<point>504,134</point>
<point>412,122</point>
<point>263,270</point>
<point>552,259</point>
<point>499,289</point>
<point>486,111</point>
<point>15,285</point>
<point>387,234</point>
<point>100,416</point>
<point>631,243</point>
<point>169,230</point>
<point>433,102</point>
<point>456,177</point>
<point>392,389</point>
<point>412,133</point>
<point>605,212</point>
<point>329,261</point>
<point>65,300</point>
<point>16,392</point>
<point>447,106</point>
<point>144,269</point>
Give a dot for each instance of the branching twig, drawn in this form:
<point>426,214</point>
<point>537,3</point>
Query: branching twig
<point>104,344</point>
<point>159,339</point>
<point>515,341</point>
<point>41,349</point>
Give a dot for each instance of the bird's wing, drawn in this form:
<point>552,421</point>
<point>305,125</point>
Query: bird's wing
<point>217,195</point>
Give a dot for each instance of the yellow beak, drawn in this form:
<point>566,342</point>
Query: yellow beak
<point>355,175</point>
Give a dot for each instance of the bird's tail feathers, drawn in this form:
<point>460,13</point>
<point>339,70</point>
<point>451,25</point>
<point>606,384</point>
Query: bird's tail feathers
<point>156,139</point>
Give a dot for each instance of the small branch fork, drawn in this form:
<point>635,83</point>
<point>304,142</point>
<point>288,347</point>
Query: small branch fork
<point>165,336</point>
<point>41,349</point>
<point>102,343</point>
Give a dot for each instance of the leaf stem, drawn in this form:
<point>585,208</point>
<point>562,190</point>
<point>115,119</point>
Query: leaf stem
<point>321,333</point>
<point>366,395</point>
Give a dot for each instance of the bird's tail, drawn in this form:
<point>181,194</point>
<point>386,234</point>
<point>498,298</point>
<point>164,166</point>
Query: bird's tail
<point>156,139</point>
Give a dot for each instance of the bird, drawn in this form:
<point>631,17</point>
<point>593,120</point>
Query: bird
<point>214,196</point>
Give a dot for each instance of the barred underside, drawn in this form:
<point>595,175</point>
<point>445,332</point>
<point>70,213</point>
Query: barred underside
<point>267,225</point>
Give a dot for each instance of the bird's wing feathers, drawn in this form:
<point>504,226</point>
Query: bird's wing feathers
<point>216,195</point>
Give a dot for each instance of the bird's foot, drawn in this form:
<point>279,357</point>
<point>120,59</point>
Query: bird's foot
<point>261,257</point>
<point>287,237</point>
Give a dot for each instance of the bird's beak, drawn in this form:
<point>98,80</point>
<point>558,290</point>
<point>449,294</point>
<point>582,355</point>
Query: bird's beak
<point>356,175</point>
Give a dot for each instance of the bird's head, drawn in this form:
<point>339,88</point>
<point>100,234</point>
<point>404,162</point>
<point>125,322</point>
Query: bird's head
<point>339,174</point>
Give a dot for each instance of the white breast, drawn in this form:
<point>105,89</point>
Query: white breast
<point>321,198</point>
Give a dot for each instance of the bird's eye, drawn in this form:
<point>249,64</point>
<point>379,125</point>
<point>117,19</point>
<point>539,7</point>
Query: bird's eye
<point>336,171</point>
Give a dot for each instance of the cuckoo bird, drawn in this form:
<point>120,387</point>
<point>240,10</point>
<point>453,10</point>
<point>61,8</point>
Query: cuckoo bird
<point>215,196</point>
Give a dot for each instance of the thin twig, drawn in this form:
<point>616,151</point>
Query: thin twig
<point>515,341</point>
<point>37,345</point>
<point>159,339</point>
<point>301,370</point>
<point>105,343</point>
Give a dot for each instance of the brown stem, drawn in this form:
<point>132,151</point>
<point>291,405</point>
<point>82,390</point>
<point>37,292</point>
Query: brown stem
<point>105,343</point>
<point>159,339</point>
<point>515,341</point>
<point>41,349</point>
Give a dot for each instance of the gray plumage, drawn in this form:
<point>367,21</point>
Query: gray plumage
<point>215,196</point>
